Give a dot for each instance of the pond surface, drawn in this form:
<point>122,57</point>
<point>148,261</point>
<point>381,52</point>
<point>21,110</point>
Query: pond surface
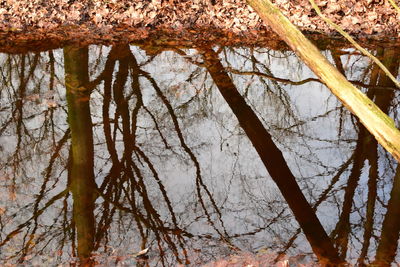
<point>197,154</point>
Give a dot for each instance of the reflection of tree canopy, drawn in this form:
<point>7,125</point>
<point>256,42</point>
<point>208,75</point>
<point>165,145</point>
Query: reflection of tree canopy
<point>174,170</point>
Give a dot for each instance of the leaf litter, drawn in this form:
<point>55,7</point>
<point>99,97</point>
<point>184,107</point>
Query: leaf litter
<point>127,20</point>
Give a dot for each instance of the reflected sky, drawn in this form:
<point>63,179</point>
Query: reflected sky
<point>195,153</point>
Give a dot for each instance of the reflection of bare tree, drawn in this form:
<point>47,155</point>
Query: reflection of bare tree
<point>342,231</point>
<point>19,73</point>
<point>387,247</point>
<point>274,162</point>
<point>366,150</point>
<point>200,185</point>
<point>126,181</point>
<point>142,127</point>
<point>17,114</point>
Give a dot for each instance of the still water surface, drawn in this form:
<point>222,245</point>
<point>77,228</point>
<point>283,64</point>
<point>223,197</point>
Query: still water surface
<point>194,153</point>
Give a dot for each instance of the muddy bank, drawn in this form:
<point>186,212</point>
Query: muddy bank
<point>27,24</point>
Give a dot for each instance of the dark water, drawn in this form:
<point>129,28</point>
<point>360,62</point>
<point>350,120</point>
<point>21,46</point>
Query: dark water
<point>197,154</point>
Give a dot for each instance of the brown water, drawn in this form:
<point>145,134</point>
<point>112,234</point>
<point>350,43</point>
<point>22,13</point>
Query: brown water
<point>197,154</point>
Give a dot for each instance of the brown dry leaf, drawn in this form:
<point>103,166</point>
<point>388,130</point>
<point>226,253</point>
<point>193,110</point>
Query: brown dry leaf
<point>350,22</point>
<point>282,263</point>
<point>346,22</point>
<point>97,19</point>
<point>333,8</point>
<point>378,28</point>
<point>75,14</point>
<point>372,16</point>
<point>359,7</point>
<point>368,29</point>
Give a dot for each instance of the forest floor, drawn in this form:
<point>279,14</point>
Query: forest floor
<point>30,22</point>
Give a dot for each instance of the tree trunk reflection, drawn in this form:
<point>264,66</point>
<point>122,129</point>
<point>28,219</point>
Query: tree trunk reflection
<point>81,174</point>
<point>273,160</point>
<point>388,243</point>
